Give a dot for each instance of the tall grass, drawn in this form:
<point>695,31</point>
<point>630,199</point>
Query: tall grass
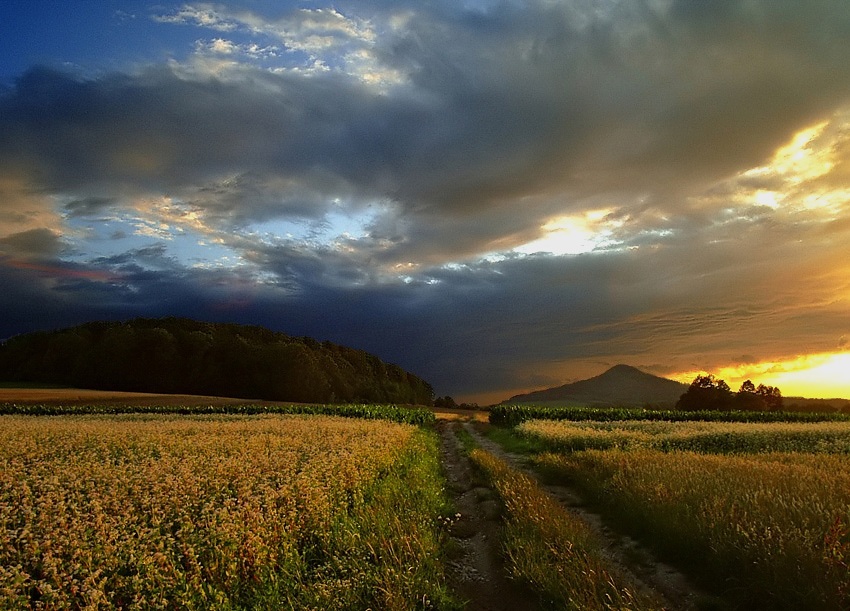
<point>219,513</point>
<point>770,530</point>
<point>553,550</point>
<point>707,437</point>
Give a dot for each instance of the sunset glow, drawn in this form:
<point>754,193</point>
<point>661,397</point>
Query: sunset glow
<point>816,376</point>
<point>572,235</point>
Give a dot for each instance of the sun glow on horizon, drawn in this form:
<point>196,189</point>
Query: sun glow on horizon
<point>814,376</point>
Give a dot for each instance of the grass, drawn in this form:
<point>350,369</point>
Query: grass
<point>770,531</point>
<point>554,551</point>
<point>220,512</point>
<point>706,437</point>
<point>511,441</point>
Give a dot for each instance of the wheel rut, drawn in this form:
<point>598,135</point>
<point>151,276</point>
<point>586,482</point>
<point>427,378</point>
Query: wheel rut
<point>626,553</point>
<point>476,570</point>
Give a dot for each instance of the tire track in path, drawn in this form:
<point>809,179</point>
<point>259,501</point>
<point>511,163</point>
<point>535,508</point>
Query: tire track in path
<point>477,571</point>
<point>629,555</point>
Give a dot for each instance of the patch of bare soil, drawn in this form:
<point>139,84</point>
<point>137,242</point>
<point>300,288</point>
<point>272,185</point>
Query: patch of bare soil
<point>477,571</point>
<point>629,555</point>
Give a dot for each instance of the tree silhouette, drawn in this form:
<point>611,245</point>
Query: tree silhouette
<point>772,397</point>
<point>706,392</point>
<point>176,355</point>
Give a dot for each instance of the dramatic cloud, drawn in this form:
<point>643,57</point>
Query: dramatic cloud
<point>496,195</point>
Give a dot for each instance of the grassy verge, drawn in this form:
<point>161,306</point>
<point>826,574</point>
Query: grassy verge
<point>552,549</point>
<point>769,531</point>
<point>388,551</point>
<point>511,441</point>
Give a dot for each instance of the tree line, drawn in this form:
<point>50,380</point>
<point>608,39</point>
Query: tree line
<point>709,393</point>
<point>182,356</point>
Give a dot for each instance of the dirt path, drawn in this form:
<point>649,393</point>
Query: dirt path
<point>477,571</point>
<point>623,551</point>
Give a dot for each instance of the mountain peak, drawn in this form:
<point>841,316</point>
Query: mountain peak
<point>624,370</point>
<point>619,385</point>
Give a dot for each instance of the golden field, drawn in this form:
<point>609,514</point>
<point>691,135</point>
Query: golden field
<point>768,530</point>
<point>217,512</point>
<point>709,437</point>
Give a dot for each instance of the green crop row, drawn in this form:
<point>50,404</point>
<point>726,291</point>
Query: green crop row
<point>394,413</point>
<point>512,415</point>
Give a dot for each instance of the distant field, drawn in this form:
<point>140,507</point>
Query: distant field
<point>12,393</point>
<point>512,415</point>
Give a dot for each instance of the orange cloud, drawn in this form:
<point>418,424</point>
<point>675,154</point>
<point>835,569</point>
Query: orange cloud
<point>56,271</point>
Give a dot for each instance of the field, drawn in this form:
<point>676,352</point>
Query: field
<point>13,393</point>
<point>149,503</point>
<point>757,512</point>
<point>512,415</point>
<point>554,550</point>
<point>219,512</point>
<point>709,437</point>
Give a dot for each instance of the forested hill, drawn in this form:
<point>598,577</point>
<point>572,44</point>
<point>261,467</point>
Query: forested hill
<point>177,355</point>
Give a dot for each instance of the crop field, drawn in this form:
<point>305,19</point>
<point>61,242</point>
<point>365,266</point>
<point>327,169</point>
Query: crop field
<point>295,507</point>
<point>757,512</point>
<point>512,415</point>
<point>554,551</point>
<point>410,415</point>
<point>696,436</point>
<point>219,512</point>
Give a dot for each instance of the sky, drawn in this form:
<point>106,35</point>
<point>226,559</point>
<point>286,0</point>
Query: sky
<point>498,196</point>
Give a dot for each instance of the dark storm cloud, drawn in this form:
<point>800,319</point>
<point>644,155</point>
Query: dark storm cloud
<point>484,326</point>
<point>88,206</point>
<point>502,324</point>
<point>154,256</point>
<point>505,116</point>
<point>35,242</point>
<point>508,102</point>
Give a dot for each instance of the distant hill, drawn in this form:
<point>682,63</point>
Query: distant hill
<point>620,385</point>
<point>182,356</point>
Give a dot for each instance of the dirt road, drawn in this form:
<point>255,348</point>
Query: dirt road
<point>477,571</point>
<point>627,554</point>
